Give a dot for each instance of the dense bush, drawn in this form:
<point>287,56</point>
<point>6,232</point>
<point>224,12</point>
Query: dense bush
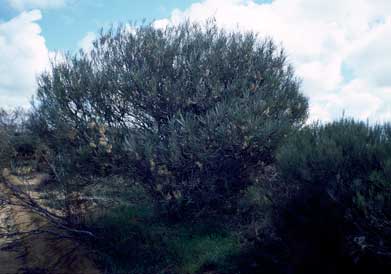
<point>341,215</point>
<point>6,151</point>
<point>189,111</point>
<point>16,141</point>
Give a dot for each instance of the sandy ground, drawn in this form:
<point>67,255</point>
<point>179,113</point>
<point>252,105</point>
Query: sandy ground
<point>37,253</point>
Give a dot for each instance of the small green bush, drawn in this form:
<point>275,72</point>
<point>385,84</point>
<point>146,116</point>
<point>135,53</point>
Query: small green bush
<point>17,144</point>
<point>342,207</point>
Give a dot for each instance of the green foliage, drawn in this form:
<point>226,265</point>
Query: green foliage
<point>127,245</point>
<point>183,151</point>
<point>342,171</point>
<point>6,149</point>
<point>131,242</point>
<point>17,145</point>
<point>190,112</point>
<point>351,160</point>
<point>197,250</point>
<point>131,238</point>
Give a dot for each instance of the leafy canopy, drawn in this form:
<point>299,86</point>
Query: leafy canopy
<point>189,111</point>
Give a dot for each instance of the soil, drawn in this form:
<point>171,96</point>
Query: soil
<point>37,253</point>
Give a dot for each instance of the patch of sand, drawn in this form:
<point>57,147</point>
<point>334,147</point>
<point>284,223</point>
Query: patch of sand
<point>38,253</point>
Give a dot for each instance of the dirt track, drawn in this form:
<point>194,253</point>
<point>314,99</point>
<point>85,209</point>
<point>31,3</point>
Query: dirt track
<point>37,253</point>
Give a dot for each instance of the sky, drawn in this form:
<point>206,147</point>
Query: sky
<point>341,49</point>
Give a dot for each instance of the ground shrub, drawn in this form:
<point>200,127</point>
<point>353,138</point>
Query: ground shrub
<point>339,219</point>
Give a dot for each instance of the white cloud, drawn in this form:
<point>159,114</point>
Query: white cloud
<point>357,99</point>
<point>368,59</point>
<point>86,42</point>
<point>23,55</point>
<point>321,37</point>
<point>32,4</point>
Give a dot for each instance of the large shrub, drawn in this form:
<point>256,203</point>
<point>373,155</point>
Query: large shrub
<point>342,174</point>
<point>189,111</point>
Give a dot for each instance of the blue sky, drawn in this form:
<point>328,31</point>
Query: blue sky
<point>64,27</point>
<point>340,49</point>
